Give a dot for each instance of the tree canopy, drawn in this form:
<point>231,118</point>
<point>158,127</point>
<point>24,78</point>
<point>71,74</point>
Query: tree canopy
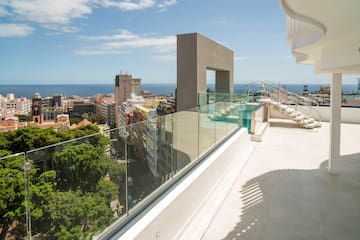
<point>13,192</point>
<point>70,187</point>
<point>80,166</point>
<point>29,138</point>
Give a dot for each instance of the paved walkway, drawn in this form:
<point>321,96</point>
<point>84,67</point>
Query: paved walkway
<point>285,191</point>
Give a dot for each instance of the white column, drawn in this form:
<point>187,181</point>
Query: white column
<point>335,120</point>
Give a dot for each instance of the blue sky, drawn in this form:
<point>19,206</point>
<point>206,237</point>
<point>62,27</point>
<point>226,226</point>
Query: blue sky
<point>89,41</point>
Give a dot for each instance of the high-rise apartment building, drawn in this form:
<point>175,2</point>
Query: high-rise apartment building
<point>105,107</point>
<point>125,85</point>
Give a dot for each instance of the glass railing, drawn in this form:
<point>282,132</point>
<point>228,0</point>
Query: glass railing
<point>78,188</point>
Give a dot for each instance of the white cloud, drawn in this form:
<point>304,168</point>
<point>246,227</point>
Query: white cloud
<point>126,41</point>
<point>122,35</point>
<point>59,29</point>
<point>240,59</point>
<point>141,42</point>
<point>15,30</point>
<point>49,11</point>
<point>131,5</point>
<point>98,52</point>
<point>58,14</point>
<point>51,14</point>
<point>166,58</point>
<point>165,4</point>
<point>3,12</point>
<point>128,5</point>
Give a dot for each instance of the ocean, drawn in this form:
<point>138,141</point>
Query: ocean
<point>164,88</point>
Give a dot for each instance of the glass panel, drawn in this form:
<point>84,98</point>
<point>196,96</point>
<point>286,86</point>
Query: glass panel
<point>117,172</point>
<point>221,126</point>
<point>185,138</point>
<point>207,131</point>
<point>15,197</point>
<point>143,177</point>
<point>235,116</point>
<point>81,186</point>
<point>165,152</point>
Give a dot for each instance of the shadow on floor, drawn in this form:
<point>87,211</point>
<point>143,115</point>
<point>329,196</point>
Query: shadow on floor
<point>302,204</point>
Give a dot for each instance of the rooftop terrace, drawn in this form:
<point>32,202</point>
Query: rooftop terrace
<point>286,192</point>
<point>189,176</point>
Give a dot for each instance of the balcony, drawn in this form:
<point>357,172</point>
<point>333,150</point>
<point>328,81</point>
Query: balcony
<point>286,192</point>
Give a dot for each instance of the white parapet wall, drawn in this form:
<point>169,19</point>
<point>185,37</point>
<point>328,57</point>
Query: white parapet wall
<point>256,117</point>
<point>181,213</point>
<point>348,114</point>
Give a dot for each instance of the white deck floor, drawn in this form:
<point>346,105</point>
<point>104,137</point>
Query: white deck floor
<point>285,191</point>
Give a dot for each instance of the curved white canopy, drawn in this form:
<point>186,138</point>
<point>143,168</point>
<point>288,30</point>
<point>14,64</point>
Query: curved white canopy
<point>335,45</point>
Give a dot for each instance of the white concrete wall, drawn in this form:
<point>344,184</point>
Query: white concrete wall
<point>348,115</point>
<point>173,215</point>
<point>259,114</point>
<point>257,117</point>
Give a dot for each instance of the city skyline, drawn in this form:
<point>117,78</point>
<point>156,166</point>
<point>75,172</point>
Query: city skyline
<point>90,41</point>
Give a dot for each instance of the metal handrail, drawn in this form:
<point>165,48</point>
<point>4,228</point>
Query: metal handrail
<point>279,94</point>
<point>301,100</point>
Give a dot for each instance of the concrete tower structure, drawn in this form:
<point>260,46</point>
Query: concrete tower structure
<point>195,55</point>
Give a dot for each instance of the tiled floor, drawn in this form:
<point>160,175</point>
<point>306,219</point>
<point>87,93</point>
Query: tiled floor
<point>285,191</point>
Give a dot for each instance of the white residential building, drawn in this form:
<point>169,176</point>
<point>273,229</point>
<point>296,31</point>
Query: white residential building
<point>21,105</point>
<point>105,107</point>
<point>129,106</point>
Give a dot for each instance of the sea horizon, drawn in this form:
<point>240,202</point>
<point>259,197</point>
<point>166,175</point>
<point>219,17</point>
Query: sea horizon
<point>45,90</point>
<point>160,83</point>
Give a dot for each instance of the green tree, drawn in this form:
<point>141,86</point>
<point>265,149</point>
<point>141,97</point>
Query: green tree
<point>12,193</point>
<point>108,190</point>
<point>74,233</point>
<point>4,142</point>
<point>72,215</point>
<point>42,188</point>
<point>80,166</point>
<point>78,132</point>
<point>117,173</point>
<point>75,120</point>
<point>24,118</point>
<point>4,153</point>
<point>27,138</point>
<point>85,116</point>
<point>96,118</point>
<point>78,169</point>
